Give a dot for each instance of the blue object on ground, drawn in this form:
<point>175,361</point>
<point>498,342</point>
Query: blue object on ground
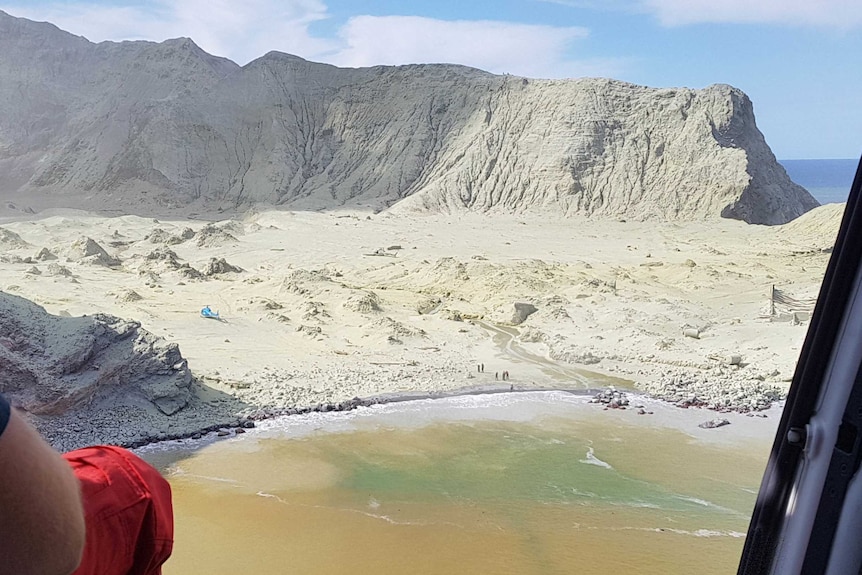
<point>207,312</point>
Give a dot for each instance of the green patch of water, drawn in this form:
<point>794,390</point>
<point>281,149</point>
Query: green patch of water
<point>553,495</point>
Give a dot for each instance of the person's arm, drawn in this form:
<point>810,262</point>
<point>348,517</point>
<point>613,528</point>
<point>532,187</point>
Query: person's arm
<point>41,517</point>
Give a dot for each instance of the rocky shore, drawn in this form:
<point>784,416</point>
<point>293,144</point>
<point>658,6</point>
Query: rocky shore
<point>130,427</point>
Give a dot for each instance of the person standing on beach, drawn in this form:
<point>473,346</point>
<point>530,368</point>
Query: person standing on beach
<point>94,511</point>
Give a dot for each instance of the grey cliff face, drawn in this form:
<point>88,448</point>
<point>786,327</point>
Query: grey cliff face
<point>144,125</point>
<point>50,365</point>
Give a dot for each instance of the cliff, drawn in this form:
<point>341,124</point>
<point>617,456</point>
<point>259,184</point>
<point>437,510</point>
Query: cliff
<point>51,365</point>
<point>141,126</point>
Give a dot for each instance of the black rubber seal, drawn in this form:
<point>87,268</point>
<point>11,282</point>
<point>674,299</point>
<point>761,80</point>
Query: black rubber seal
<point>5,412</point>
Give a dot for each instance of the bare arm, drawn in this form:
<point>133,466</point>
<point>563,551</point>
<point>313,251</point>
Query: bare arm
<point>41,517</point>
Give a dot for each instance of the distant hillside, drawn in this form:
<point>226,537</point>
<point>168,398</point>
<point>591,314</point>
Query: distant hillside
<point>140,126</point>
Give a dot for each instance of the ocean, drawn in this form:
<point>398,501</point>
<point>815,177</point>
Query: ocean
<point>828,181</point>
<point>514,483</point>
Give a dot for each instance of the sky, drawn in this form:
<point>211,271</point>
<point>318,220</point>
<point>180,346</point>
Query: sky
<point>800,61</point>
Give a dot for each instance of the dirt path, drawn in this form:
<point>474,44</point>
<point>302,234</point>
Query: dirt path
<point>505,340</point>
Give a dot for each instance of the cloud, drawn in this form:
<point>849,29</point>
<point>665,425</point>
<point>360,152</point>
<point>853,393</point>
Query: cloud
<point>239,31</point>
<point>247,31</point>
<point>500,47</point>
<point>840,14</point>
<point>602,5</point>
<point>843,14</point>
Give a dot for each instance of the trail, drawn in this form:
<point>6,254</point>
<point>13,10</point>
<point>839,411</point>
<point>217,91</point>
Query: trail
<point>504,338</point>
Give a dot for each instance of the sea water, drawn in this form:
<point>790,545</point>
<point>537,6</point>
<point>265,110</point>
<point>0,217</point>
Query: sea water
<point>828,180</point>
<point>522,483</point>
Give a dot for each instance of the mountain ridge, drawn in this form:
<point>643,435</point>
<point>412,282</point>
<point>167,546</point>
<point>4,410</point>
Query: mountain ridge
<point>143,126</point>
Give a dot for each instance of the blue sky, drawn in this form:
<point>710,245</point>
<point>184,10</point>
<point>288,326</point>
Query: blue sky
<point>800,61</point>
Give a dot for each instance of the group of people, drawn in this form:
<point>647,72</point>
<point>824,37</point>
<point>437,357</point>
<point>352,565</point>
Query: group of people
<point>94,511</point>
<point>481,369</point>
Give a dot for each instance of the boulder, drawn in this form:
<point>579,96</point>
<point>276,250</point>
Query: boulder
<point>515,314</point>
<point>50,365</point>
<point>87,250</point>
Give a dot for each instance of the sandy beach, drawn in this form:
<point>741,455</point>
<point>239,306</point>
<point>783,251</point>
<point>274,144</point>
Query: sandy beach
<point>319,308</point>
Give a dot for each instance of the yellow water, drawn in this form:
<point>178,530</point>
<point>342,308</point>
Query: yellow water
<point>554,494</point>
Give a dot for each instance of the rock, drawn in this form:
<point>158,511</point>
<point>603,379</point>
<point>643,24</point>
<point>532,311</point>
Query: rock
<point>86,250</point>
<point>396,329</point>
<point>691,332</point>
<point>61,363</point>
<point>165,255</point>
<point>129,296</point>
<point>164,259</point>
<point>728,390</point>
<point>364,302</point>
<point>611,398</point>
<point>703,156</point>
<point>451,314</point>
<point>531,335</point>
<point>9,240</point>
<point>713,423</point>
<point>56,269</point>
<point>160,236</point>
<point>45,255</point>
<point>426,305</point>
<point>515,314</point>
<point>213,236</point>
<point>217,266</point>
<point>310,330</point>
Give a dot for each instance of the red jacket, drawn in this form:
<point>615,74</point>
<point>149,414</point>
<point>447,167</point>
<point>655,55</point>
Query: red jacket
<point>129,517</point>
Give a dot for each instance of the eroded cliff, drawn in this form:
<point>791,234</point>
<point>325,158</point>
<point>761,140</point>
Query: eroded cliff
<point>135,126</point>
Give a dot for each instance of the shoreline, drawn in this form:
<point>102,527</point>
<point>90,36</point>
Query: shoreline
<point>633,401</point>
<point>744,430</point>
<point>675,308</point>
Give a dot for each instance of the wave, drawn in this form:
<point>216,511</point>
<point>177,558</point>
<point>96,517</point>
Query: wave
<point>591,459</point>
<point>692,533</point>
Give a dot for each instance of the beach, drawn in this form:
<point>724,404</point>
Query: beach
<point>558,392</point>
<point>316,309</point>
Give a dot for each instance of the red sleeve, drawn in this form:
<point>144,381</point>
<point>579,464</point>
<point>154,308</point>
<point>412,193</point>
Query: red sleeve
<point>128,512</point>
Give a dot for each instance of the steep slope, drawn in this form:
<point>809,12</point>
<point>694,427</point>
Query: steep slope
<point>137,125</point>
<point>50,364</point>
